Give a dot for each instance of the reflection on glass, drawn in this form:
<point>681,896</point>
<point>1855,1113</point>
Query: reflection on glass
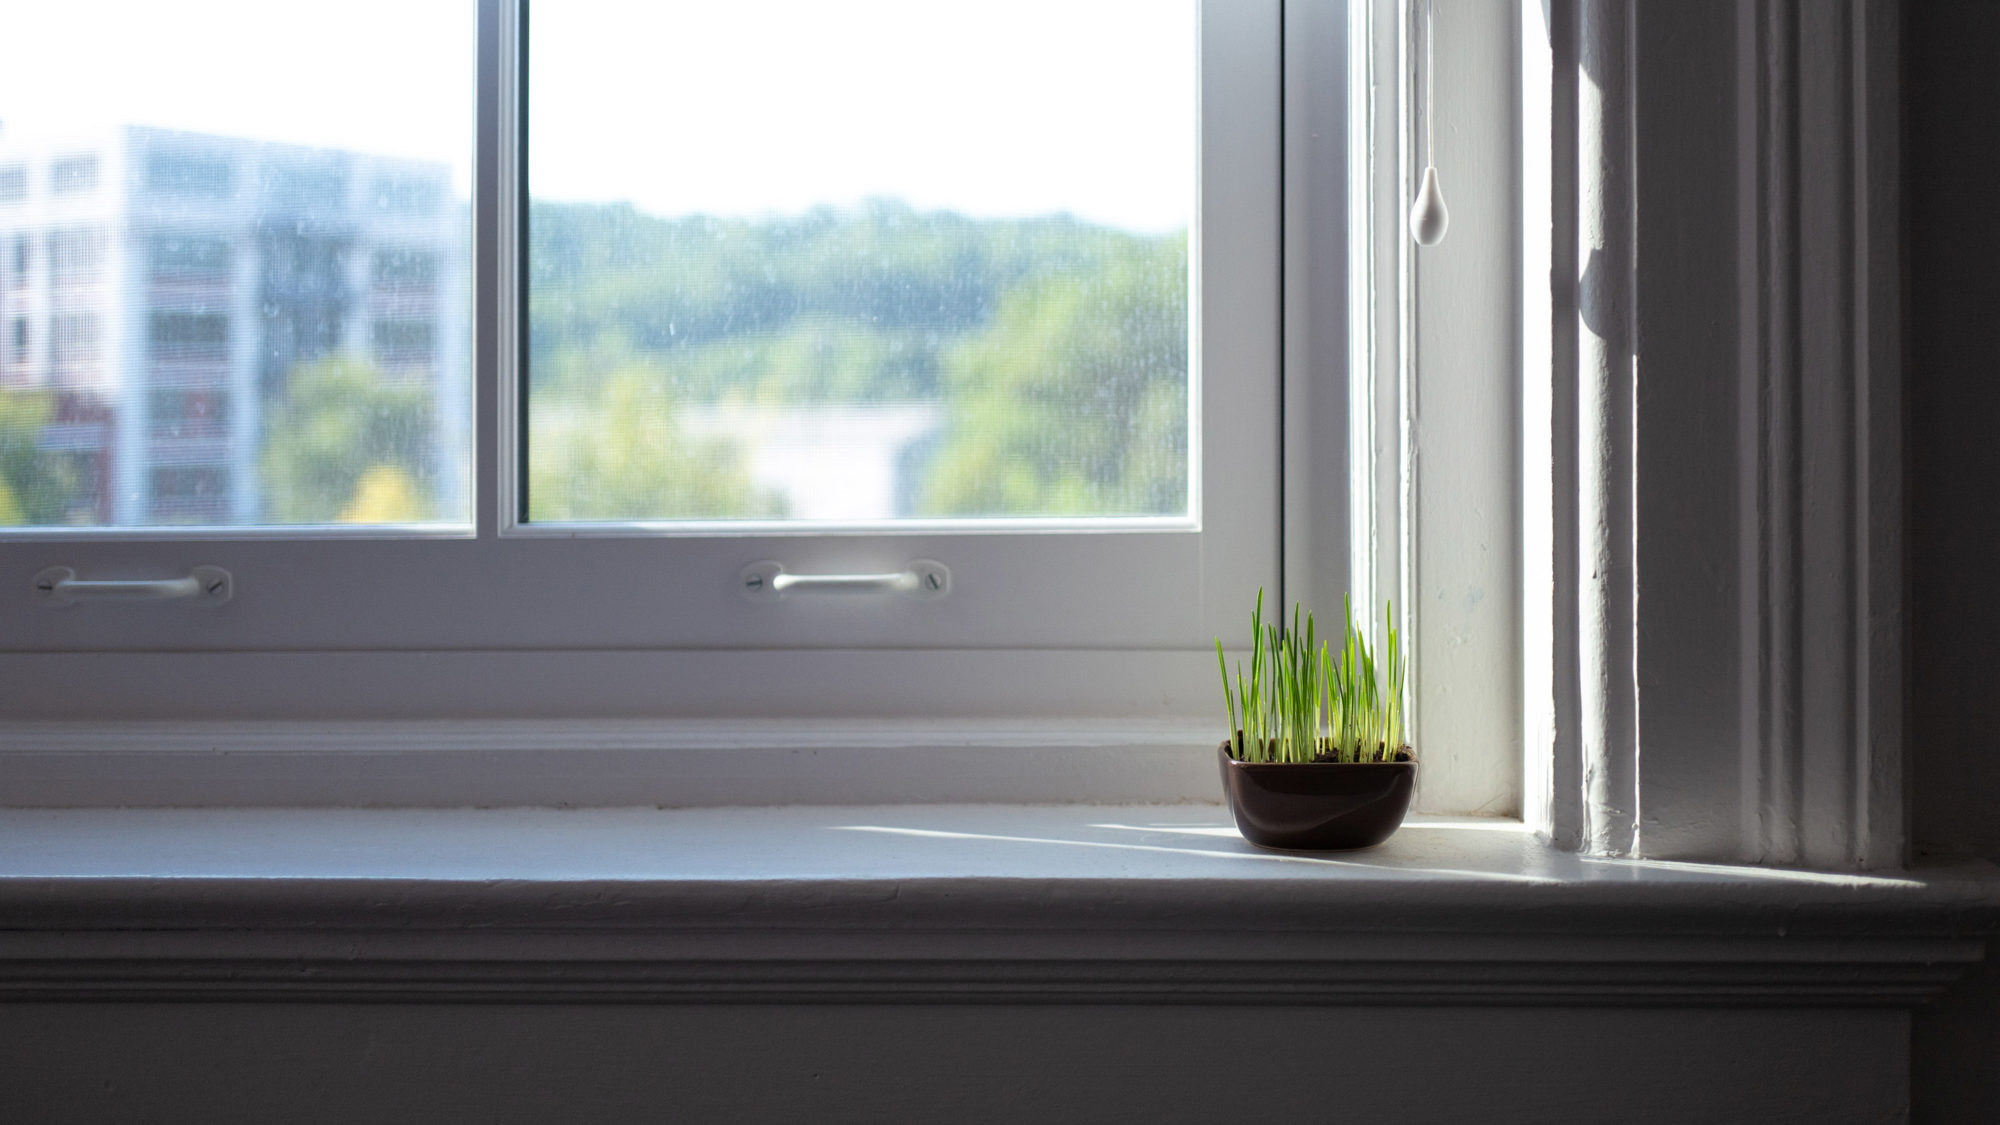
<point>234,281</point>
<point>866,261</point>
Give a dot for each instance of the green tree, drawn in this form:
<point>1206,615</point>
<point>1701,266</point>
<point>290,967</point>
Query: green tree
<point>1074,400</point>
<point>37,487</point>
<point>340,418</point>
<point>612,452</point>
<point>1058,348</point>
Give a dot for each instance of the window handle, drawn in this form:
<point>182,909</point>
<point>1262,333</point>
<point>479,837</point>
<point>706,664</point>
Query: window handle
<point>205,585</point>
<point>924,578</point>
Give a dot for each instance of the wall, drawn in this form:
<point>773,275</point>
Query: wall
<point>345,1062</point>
<point>307,1063</point>
<point>1952,164</point>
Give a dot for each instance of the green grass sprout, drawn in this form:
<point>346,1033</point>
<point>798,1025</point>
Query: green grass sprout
<point>1308,700</point>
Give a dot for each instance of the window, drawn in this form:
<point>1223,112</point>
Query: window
<point>407,193</point>
<point>405,269</point>
<point>13,183</point>
<point>19,337</point>
<point>202,175</point>
<point>76,257</point>
<point>846,301</point>
<point>183,257</point>
<point>998,318</point>
<point>20,271</point>
<point>73,340</point>
<point>406,584</point>
<point>177,411</point>
<point>240,251</point>
<point>1127,544</point>
<point>189,493</point>
<point>400,343</point>
<point>188,335</point>
<point>73,175</point>
<point>314,184</point>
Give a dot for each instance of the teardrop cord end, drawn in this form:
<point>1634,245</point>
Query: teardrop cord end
<point>1428,215</point>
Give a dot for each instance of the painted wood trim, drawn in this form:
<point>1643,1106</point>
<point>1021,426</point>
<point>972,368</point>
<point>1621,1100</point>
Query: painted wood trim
<point>1739,674</point>
<point>1074,904</point>
<point>1823,541</point>
<point>1606,580</point>
<point>1551,442</point>
<point>605,762</point>
<point>1352,940</point>
<point>1913,976</point>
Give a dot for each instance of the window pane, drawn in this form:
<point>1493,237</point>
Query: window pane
<point>234,263</point>
<point>875,260</point>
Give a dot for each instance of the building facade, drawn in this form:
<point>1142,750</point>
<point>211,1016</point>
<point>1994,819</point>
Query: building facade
<point>164,287</point>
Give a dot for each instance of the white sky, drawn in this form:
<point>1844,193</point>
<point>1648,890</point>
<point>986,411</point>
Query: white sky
<point>1010,107</point>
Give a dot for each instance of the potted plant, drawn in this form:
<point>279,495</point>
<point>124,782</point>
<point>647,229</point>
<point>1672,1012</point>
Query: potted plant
<point>1316,758</point>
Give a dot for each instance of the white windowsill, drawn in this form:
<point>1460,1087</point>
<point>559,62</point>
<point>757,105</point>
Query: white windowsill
<point>1079,903</point>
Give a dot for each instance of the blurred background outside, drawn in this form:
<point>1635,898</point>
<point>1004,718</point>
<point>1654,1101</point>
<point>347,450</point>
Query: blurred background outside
<point>818,262</point>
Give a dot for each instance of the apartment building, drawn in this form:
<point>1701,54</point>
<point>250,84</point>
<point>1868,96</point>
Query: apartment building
<point>164,286</point>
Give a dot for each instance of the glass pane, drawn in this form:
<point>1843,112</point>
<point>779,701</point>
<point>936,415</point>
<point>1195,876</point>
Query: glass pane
<point>234,264</point>
<point>872,260</point>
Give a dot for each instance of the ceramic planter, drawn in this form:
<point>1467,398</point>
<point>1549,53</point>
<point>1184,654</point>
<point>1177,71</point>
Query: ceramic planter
<point>1317,806</point>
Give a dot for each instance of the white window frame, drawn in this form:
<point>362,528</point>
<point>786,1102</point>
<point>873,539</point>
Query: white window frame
<point>641,712</point>
<point>511,611</point>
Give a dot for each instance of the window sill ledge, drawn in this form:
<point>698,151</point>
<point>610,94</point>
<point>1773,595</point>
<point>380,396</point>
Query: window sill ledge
<point>933,903</point>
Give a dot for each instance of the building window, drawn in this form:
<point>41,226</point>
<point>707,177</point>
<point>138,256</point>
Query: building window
<point>189,175</point>
<point>20,271</point>
<point>189,335</point>
<point>184,257</point>
<point>76,257</point>
<point>13,183</point>
<point>73,340</point>
<point>18,336</point>
<point>405,269</point>
<point>188,494</point>
<point>406,194</point>
<point>73,175</point>
<point>402,342</point>
<point>314,184</point>
<point>188,412</point>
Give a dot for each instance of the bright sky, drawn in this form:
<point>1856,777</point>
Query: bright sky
<point>1018,107</point>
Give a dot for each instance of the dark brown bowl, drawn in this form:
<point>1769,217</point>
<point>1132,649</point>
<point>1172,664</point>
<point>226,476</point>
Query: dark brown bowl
<point>1317,806</point>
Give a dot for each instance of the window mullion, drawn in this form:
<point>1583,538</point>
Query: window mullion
<point>496,257</point>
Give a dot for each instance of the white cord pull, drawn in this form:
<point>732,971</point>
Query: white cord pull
<point>768,580</point>
<point>205,585</point>
<point>1428,215</point>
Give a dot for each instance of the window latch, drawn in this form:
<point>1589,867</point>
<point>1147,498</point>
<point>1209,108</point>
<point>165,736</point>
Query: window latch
<point>205,585</point>
<point>924,579</point>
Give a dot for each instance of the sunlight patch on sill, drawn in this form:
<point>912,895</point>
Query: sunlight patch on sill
<point>1742,871</point>
<point>1254,857</point>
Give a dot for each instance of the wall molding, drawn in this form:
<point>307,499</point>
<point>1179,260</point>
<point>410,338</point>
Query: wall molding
<point>1608,132</point>
<point>1894,978</point>
<point>922,904</point>
<point>1821,441</point>
<point>1724,662</point>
